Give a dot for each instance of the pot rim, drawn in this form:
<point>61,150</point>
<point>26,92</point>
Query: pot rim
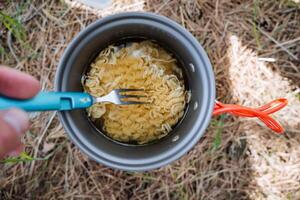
<point>169,156</point>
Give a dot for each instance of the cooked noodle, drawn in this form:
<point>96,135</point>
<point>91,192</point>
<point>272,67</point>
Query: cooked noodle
<point>138,65</point>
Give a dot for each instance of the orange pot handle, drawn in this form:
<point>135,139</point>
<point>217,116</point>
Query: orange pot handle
<point>262,112</point>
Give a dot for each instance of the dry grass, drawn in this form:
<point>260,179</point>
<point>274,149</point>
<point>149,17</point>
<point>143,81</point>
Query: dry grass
<point>250,163</point>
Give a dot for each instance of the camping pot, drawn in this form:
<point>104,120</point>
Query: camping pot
<point>199,77</point>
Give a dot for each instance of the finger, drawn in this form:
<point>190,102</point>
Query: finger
<point>16,151</point>
<point>13,123</point>
<point>14,83</point>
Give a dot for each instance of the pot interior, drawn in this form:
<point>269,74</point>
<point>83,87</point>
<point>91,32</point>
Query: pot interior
<point>98,124</point>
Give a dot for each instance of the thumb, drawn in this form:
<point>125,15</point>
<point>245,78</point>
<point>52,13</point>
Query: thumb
<point>13,123</point>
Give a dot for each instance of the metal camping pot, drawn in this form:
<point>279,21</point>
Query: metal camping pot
<point>199,77</point>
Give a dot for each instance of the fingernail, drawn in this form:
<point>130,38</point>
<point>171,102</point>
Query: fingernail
<point>17,119</point>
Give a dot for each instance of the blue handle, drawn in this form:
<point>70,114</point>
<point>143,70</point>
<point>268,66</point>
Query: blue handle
<point>49,101</point>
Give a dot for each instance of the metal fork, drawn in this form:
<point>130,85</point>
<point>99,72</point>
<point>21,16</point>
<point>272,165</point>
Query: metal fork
<point>119,97</point>
<point>62,101</point>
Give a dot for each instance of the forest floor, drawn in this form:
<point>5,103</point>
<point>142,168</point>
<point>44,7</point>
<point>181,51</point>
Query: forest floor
<point>254,47</point>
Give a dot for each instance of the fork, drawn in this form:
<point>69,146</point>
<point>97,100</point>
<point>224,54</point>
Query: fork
<point>61,101</point>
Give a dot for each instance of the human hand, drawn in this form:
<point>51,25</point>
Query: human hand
<point>14,122</point>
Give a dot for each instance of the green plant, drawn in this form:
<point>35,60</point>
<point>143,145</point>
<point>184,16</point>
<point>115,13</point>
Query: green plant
<point>219,125</point>
<point>255,31</point>
<point>23,157</point>
<point>3,54</point>
<point>14,26</point>
<point>298,95</point>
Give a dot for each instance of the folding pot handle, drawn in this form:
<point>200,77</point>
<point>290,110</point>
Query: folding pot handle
<point>262,112</point>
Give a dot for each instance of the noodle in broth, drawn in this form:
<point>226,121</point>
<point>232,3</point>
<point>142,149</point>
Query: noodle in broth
<point>142,65</point>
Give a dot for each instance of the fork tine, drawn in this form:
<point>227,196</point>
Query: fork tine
<point>132,96</point>
<point>133,102</point>
<point>122,97</point>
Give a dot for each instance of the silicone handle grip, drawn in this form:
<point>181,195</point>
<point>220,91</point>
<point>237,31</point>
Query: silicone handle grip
<point>261,113</point>
<point>49,101</point>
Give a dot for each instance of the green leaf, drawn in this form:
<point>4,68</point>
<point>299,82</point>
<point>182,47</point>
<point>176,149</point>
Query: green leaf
<point>217,139</point>
<point>298,95</point>
<point>24,157</point>
<point>14,26</point>
<point>255,32</point>
<point>2,51</point>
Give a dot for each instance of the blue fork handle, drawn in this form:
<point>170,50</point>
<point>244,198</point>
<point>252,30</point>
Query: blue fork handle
<point>49,101</point>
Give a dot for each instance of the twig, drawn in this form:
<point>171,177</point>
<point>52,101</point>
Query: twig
<point>217,9</point>
<point>277,43</point>
<point>267,59</point>
<point>25,19</point>
<point>39,142</point>
<point>182,18</point>
<point>291,41</point>
<point>9,44</point>
<point>162,6</point>
<point>91,177</point>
